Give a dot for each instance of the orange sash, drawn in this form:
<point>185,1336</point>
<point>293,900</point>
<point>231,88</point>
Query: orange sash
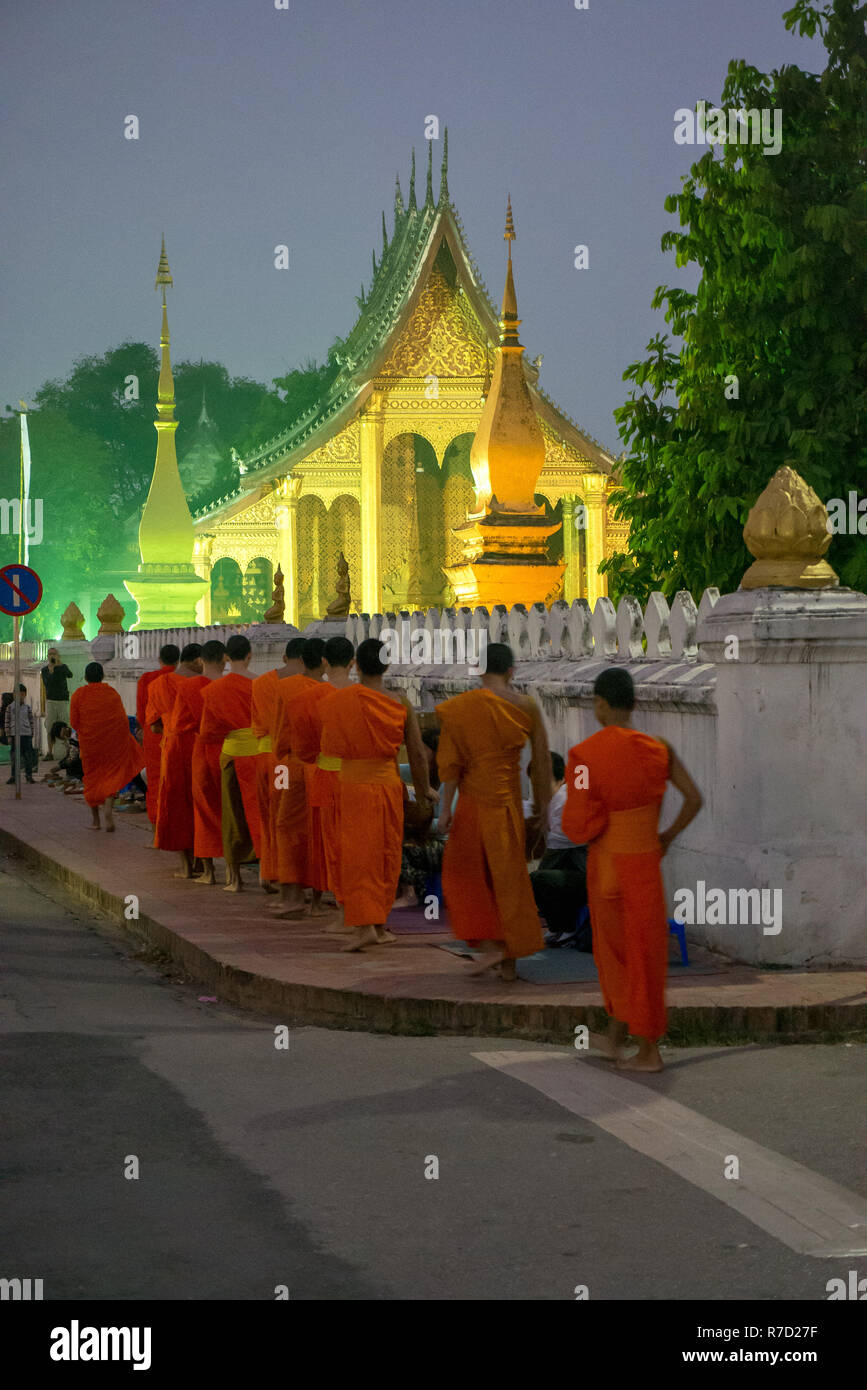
<point>369,770</point>
<point>635,831</point>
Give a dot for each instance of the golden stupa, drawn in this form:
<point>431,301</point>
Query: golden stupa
<point>505,540</point>
<point>166,587</point>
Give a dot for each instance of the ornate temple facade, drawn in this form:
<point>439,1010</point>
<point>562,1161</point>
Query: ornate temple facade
<point>380,468</point>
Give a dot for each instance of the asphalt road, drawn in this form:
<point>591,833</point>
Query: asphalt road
<point>305,1166</point>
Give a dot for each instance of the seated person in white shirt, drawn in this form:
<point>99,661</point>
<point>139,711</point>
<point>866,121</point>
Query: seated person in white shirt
<point>560,881</point>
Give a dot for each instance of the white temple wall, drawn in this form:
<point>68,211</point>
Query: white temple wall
<point>775,739</point>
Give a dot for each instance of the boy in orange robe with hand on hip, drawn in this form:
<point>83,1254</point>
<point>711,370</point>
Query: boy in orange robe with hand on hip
<point>615,784</point>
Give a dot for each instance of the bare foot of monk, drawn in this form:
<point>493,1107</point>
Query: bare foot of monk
<point>291,900</point>
<point>647,1058</point>
<point>318,908</point>
<point>208,876</point>
<point>109,818</point>
<point>186,869</point>
<point>266,886</point>
<point>383,936</point>
<point>492,954</point>
<point>363,936</point>
<point>94,824</point>
<point>339,926</point>
<point>407,899</point>
<point>233,878</point>
<point>509,970</point>
<point>610,1044</point>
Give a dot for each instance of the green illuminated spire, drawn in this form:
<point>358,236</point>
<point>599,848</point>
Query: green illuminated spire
<point>444,169</point>
<point>412,203</point>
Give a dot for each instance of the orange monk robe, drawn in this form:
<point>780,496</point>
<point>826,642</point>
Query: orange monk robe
<point>305,714</point>
<point>289,798</point>
<point>262,710</point>
<point>150,742</point>
<point>175,820</point>
<point>615,783</point>
<point>365,728</point>
<point>323,799</point>
<point>227,711</point>
<point>206,775</point>
<point>110,756</point>
<point>485,880</point>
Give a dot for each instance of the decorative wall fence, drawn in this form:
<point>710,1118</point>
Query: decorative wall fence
<point>563,632</point>
<point>761,692</point>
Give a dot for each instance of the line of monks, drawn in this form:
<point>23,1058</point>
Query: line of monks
<point>298,769</point>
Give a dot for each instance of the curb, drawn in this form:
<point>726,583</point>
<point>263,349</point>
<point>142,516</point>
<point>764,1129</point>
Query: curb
<point>320,1006</point>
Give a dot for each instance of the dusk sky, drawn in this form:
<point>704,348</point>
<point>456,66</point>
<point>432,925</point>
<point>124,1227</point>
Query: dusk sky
<point>261,126</point>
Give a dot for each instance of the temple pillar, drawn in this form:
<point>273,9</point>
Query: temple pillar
<point>203,564</point>
<point>371,449</point>
<point>594,502</point>
<point>287,545</point>
<point>571,549</point>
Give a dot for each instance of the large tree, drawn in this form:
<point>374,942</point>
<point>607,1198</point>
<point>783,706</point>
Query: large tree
<point>93,444</point>
<point>772,361</point>
<point>73,478</point>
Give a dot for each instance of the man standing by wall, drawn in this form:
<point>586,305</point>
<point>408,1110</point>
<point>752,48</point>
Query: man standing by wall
<point>55,691</point>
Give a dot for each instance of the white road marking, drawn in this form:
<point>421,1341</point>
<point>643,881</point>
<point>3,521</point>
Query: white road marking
<point>808,1213</point>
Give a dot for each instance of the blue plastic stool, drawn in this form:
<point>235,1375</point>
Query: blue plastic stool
<point>677,928</point>
<point>680,932</point>
<point>434,887</point>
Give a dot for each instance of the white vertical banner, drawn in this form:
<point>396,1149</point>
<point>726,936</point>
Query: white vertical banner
<point>25,482</point>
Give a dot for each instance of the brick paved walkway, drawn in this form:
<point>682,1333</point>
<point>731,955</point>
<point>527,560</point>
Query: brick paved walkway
<point>292,969</point>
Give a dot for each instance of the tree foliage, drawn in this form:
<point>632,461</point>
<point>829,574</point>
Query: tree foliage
<point>93,445</point>
<point>781,245</point>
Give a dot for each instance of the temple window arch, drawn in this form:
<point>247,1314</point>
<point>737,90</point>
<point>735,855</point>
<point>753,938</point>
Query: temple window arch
<point>413,553</point>
<point>256,592</point>
<point>342,535</point>
<point>227,583</point>
<point>313,577</point>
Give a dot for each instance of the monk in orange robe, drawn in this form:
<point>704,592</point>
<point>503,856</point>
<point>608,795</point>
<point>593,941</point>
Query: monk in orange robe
<point>174,827</point>
<point>615,784</point>
<point>364,725</point>
<point>110,756</point>
<point>205,785</point>
<point>324,790</point>
<point>262,713</point>
<point>299,822</point>
<point>486,884</point>
<point>289,797</point>
<point>169,655</point>
<point>226,715</point>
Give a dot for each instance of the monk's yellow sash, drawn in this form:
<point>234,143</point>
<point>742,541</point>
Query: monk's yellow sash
<point>240,743</point>
<point>369,770</point>
<point>326,761</point>
<point>265,744</point>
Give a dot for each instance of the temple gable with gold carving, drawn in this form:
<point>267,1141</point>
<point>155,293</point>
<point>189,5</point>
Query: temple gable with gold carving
<point>380,469</point>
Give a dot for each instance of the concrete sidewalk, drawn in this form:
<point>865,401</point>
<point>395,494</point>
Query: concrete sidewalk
<point>293,970</point>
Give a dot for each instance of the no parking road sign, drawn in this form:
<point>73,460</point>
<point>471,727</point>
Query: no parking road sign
<point>20,590</point>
